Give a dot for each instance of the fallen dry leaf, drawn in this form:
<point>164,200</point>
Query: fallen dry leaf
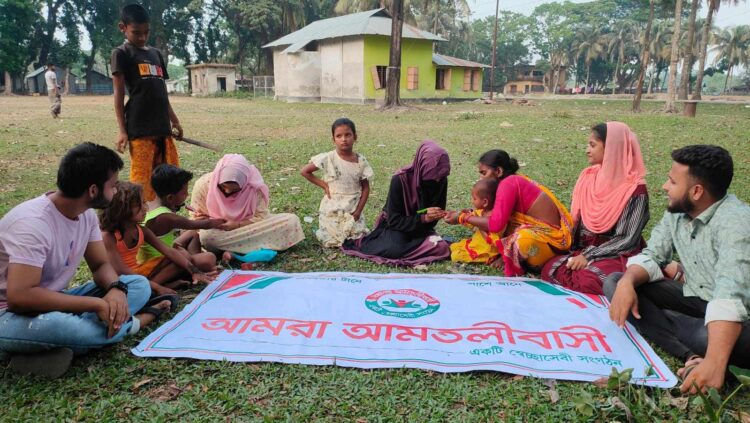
<point>681,403</point>
<point>141,383</point>
<point>164,393</point>
<point>602,382</point>
<point>554,396</point>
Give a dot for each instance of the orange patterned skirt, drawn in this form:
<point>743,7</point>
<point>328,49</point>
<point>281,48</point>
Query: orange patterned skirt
<point>145,154</point>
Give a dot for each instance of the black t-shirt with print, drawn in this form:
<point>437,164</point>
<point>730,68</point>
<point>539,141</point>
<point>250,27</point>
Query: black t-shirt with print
<point>147,109</point>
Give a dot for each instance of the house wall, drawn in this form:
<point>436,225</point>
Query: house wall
<point>414,53</point>
<point>457,84</point>
<point>207,79</point>
<point>342,70</point>
<point>297,75</point>
<point>523,87</point>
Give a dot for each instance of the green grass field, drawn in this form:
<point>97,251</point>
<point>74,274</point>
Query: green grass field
<point>548,138</point>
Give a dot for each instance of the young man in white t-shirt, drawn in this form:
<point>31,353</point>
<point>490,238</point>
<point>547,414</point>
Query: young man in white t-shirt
<point>43,322</point>
<point>53,91</point>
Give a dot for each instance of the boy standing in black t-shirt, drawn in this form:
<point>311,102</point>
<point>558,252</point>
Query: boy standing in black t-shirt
<point>147,119</point>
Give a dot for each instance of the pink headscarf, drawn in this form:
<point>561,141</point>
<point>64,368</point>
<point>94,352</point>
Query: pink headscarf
<point>241,205</point>
<point>603,191</point>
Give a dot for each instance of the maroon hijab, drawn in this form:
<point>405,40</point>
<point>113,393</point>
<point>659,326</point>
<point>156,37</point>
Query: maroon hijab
<point>431,163</point>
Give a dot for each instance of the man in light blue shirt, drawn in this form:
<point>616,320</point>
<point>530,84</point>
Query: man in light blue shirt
<point>703,320</point>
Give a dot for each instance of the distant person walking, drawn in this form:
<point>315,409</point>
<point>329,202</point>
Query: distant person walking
<point>53,91</point>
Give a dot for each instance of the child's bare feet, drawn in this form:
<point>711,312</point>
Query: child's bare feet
<point>178,284</point>
<point>226,257</point>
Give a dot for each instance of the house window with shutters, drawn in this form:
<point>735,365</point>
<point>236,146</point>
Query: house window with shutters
<point>443,79</point>
<point>475,80</point>
<point>467,79</point>
<point>412,78</point>
<point>378,74</point>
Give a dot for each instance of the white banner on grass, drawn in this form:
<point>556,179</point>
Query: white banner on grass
<point>446,323</point>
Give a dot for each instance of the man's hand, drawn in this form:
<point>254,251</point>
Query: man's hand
<point>705,375</point>
<point>577,263</point>
<point>118,312</point>
<point>121,142</point>
<point>624,302</point>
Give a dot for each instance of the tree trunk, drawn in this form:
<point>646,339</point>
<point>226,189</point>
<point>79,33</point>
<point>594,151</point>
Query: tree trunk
<point>8,84</point>
<point>89,66</point>
<point>66,83</point>
<point>726,80</point>
<point>704,49</point>
<point>557,81</point>
<point>494,51</point>
<point>393,76</point>
<point>650,84</point>
<point>614,77</point>
<point>50,25</point>
<point>669,107</point>
<point>588,72</point>
<point>645,59</point>
<point>687,67</point>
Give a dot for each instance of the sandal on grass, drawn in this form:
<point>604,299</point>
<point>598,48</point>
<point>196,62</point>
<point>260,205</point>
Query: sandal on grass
<point>149,308</point>
<point>690,364</point>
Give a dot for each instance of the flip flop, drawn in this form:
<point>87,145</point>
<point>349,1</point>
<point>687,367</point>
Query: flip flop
<point>149,308</point>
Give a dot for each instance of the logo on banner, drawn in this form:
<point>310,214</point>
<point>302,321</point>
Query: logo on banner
<point>404,303</point>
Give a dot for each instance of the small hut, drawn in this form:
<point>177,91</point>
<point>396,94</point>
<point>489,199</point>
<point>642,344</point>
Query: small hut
<point>212,78</point>
<point>101,83</point>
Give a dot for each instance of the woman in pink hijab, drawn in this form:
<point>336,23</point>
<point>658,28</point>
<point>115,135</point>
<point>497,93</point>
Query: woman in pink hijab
<point>235,191</point>
<point>609,209</point>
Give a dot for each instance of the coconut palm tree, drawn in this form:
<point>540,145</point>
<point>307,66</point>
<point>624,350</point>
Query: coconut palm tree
<point>713,7</point>
<point>669,107</point>
<point>617,41</point>
<point>442,14</point>
<point>645,57</point>
<point>689,61</point>
<point>590,46</point>
<point>731,46</point>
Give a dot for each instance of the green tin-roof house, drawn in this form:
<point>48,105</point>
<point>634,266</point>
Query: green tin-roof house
<point>344,60</point>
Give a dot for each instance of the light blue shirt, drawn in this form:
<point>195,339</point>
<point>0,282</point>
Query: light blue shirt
<point>714,249</point>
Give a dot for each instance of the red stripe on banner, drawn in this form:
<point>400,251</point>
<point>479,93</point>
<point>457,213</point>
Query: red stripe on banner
<point>595,298</point>
<point>578,303</point>
<point>239,294</point>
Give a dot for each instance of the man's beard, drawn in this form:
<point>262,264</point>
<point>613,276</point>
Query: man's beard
<point>682,206</point>
<point>100,201</point>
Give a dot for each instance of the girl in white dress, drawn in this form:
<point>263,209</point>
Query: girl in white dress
<point>346,184</point>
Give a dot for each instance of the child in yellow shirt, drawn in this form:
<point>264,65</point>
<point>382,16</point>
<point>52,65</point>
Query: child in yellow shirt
<point>482,246</point>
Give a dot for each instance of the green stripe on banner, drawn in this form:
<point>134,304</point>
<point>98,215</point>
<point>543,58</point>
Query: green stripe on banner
<point>546,288</point>
<point>265,282</point>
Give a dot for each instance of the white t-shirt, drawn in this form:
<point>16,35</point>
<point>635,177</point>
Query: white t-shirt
<point>35,233</point>
<point>51,79</point>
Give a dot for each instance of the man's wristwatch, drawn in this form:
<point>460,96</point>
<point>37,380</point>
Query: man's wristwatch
<point>118,284</point>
